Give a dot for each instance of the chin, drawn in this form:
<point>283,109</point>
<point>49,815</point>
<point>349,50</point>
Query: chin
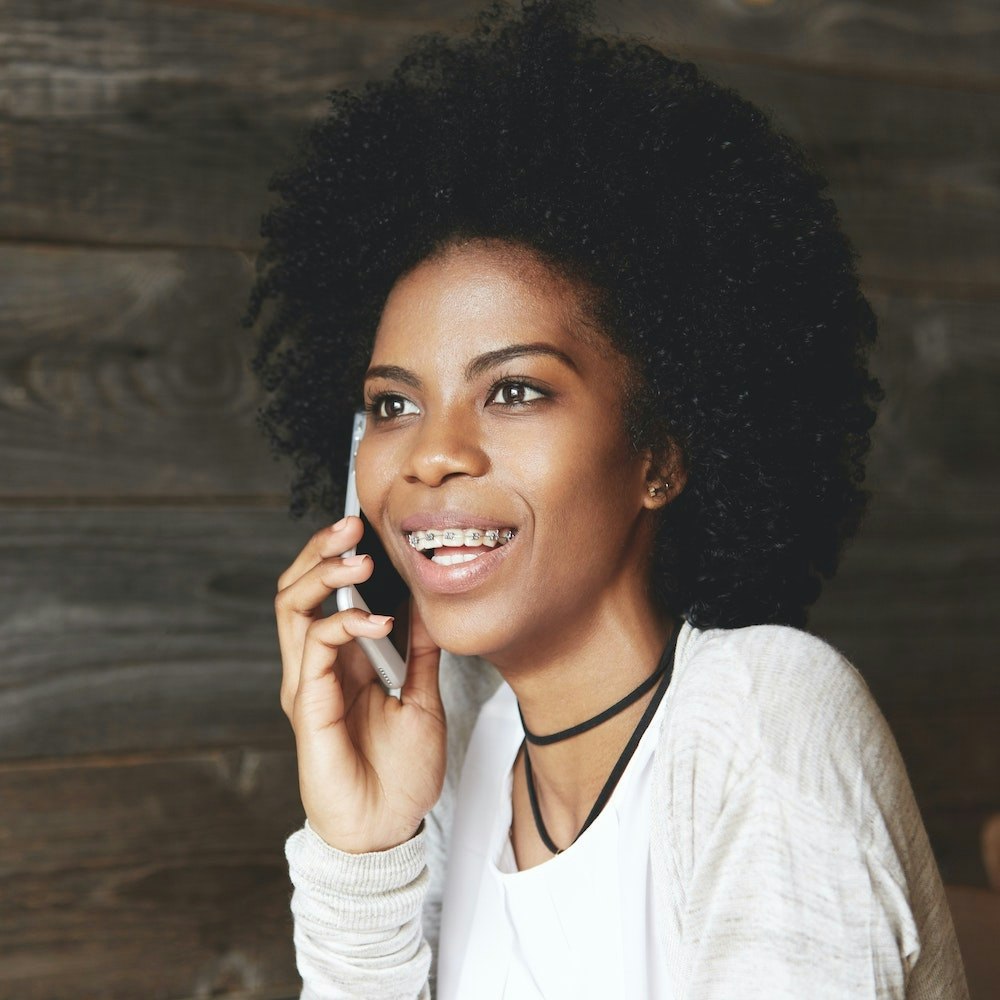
<point>455,631</point>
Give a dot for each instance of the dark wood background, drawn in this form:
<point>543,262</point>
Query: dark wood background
<point>147,779</point>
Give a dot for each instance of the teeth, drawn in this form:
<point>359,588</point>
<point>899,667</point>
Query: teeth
<point>452,560</point>
<point>460,537</point>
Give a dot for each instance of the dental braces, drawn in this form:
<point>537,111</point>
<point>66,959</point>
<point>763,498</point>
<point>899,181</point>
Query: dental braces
<point>491,535</point>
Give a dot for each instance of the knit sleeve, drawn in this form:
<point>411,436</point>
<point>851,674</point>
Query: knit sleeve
<point>357,919</point>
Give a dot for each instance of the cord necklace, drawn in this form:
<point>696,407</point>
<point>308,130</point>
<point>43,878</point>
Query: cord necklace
<point>663,673</point>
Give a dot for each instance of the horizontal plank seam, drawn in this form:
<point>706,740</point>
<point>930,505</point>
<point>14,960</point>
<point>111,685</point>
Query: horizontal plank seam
<point>211,753</point>
<point>207,501</point>
<point>54,242</point>
<point>217,857</point>
<point>308,13</point>
<point>929,289</point>
<point>979,84</point>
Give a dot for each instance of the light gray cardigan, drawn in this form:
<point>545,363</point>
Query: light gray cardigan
<point>789,857</point>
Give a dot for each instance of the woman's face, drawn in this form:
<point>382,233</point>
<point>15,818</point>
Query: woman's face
<point>496,445</point>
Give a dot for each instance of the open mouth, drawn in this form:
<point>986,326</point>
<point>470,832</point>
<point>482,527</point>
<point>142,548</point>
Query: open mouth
<point>451,546</point>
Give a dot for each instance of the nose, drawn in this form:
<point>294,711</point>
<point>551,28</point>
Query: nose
<point>444,446</point>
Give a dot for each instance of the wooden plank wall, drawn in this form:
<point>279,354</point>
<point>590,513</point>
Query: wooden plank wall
<point>146,774</point>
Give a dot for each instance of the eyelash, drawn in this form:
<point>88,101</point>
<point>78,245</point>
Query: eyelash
<point>526,383</point>
<point>372,405</point>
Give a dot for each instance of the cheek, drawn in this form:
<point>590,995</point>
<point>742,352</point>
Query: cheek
<point>373,475</point>
<point>582,487</point>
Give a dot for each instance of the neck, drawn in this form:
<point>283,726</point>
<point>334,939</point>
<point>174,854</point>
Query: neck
<point>566,683</point>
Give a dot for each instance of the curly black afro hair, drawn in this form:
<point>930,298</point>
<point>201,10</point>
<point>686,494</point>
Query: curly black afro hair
<point>720,265</point>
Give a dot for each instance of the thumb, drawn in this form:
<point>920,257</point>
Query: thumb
<point>421,685</point>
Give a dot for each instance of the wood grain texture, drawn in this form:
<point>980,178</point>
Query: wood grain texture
<point>125,373</point>
<point>149,629</point>
<point>159,123</point>
<point>148,878</point>
<point>976,913</point>
<point>934,444</point>
<point>911,169</point>
<point>946,44</point>
<point>160,126</point>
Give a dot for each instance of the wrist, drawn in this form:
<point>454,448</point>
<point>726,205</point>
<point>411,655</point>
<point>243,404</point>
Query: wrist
<point>377,844</point>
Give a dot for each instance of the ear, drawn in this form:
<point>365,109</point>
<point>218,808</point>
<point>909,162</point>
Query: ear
<point>666,475</point>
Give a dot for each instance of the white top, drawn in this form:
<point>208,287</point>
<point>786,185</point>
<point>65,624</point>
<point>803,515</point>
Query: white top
<point>581,925</point>
<point>788,856</point>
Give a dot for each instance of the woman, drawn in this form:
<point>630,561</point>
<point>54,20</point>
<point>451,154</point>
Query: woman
<point>612,349</point>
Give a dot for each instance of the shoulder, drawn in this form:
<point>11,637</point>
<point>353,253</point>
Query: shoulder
<point>770,682</point>
<point>763,660</point>
<point>781,807</point>
<point>784,702</point>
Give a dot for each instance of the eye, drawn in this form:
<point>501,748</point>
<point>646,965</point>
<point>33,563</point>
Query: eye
<point>513,393</point>
<point>388,406</point>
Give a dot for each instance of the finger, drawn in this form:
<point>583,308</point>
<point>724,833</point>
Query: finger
<point>305,596</point>
<point>300,604</point>
<point>320,697</point>
<point>422,668</point>
<point>355,672</point>
<point>330,541</point>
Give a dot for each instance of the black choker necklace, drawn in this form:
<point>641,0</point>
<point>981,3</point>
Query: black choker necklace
<point>663,672</point>
<point>619,706</point>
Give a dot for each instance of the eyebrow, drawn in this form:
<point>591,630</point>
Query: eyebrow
<point>478,365</point>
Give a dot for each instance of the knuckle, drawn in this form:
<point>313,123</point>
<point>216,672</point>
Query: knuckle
<point>352,617</point>
<point>284,602</point>
<point>318,540</point>
<point>331,573</point>
<point>319,631</point>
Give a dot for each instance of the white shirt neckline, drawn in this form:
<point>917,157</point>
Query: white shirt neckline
<point>576,925</point>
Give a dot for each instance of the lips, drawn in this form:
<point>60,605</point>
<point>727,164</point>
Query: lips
<point>454,569</point>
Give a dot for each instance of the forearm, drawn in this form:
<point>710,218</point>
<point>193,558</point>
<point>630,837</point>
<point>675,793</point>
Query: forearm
<point>357,919</point>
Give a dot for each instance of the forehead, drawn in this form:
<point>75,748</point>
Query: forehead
<point>478,297</point>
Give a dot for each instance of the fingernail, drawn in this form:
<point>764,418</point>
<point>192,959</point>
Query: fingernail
<point>355,560</point>
<point>380,619</point>
<point>340,524</point>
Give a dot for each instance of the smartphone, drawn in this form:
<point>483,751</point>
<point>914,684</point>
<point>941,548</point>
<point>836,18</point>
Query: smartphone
<point>385,589</point>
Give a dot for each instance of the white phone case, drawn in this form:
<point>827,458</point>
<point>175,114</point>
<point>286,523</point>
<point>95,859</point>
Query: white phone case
<point>381,653</point>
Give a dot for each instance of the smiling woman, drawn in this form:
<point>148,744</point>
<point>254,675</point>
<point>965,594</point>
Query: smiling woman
<point>613,355</point>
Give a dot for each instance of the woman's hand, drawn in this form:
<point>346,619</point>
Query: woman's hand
<point>370,766</point>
